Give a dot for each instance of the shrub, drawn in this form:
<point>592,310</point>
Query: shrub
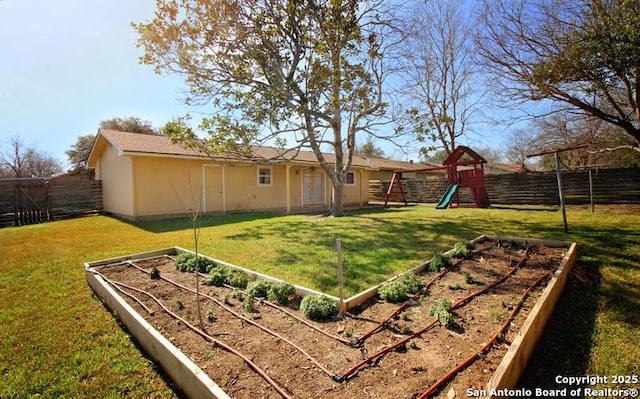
<point>462,249</point>
<point>281,292</point>
<point>259,288</point>
<point>186,262</point>
<point>396,291</point>
<point>247,304</point>
<point>220,275</point>
<point>412,282</point>
<point>318,307</point>
<point>216,277</point>
<point>439,263</point>
<point>393,291</point>
<point>236,278</point>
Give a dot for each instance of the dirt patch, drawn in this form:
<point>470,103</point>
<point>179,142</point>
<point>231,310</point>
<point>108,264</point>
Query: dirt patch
<point>332,360</point>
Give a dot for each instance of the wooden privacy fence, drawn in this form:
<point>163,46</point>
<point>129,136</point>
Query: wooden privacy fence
<point>610,186</point>
<point>29,201</point>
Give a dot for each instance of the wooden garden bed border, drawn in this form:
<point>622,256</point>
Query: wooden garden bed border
<point>197,384</point>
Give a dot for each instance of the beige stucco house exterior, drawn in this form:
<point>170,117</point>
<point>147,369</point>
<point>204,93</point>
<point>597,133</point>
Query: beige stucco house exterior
<point>146,176</point>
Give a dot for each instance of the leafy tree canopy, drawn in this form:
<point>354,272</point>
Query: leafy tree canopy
<point>130,124</point>
<point>369,150</point>
<point>79,151</point>
<point>300,74</point>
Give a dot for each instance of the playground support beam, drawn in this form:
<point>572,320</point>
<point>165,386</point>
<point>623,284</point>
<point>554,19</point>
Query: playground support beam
<point>559,176</point>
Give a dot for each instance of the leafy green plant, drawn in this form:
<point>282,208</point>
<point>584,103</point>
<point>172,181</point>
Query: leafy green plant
<point>318,307</point>
<point>281,292</point>
<point>186,262</point>
<point>393,291</point>
<point>237,278</point>
<point>210,316</point>
<point>455,286</point>
<point>237,294</point>
<point>259,288</point>
<point>412,281</point>
<point>462,249</point>
<point>220,275</point>
<point>216,277</point>
<point>179,304</point>
<point>442,310</point>
<point>397,291</point>
<point>248,304</point>
<point>439,263</point>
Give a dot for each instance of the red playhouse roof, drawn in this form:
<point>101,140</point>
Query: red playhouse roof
<point>459,152</point>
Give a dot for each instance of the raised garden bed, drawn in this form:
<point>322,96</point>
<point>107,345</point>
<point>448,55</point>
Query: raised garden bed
<point>472,325</point>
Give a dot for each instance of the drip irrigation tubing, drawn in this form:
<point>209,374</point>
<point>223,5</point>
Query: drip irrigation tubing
<point>246,319</point>
<point>498,281</point>
<point>117,286</point>
<point>360,340</point>
<point>353,370</point>
<point>301,320</point>
<point>211,339</point>
<point>484,348</point>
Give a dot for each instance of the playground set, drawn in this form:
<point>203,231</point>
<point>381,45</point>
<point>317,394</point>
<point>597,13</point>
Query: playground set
<point>471,177</point>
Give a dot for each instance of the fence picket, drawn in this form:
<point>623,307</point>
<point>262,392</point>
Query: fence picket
<point>610,186</point>
<point>29,201</point>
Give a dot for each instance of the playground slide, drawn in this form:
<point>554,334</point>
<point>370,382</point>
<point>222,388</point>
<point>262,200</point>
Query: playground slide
<point>447,197</point>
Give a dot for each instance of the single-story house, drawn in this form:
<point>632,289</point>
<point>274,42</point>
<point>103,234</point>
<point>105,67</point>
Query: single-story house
<point>147,176</point>
<point>386,167</point>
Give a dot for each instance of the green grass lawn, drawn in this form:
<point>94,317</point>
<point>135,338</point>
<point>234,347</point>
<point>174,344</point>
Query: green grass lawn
<point>58,340</point>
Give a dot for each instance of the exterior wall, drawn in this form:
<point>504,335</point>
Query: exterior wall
<point>144,187</point>
<point>243,193</point>
<point>166,186</point>
<point>115,171</point>
<point>358,194</point>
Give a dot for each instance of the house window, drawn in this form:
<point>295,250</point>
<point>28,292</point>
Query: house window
<point>265,176</point>
<point>350,179</point>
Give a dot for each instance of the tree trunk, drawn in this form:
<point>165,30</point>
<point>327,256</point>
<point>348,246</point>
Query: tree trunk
<point>337,208</point>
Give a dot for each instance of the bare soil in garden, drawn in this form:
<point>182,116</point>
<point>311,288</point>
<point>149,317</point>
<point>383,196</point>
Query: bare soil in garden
<point>404,372</point>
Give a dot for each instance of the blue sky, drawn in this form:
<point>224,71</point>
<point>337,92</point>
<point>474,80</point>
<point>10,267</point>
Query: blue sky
<point>66,65</point>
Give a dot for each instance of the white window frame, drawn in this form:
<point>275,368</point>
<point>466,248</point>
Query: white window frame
<point>270,175</point>
<point>354,179</point>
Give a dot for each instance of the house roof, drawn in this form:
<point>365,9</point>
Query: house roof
<point>394,165</point>
<point>159,145</point>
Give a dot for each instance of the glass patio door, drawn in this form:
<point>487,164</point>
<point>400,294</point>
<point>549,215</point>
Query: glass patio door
<point>313,188</point>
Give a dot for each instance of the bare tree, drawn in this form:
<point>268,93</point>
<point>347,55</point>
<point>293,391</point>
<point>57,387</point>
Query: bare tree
<point>441,72</point>
<point>577,55</point>
<point>519,144</point>
<point>18,160</point>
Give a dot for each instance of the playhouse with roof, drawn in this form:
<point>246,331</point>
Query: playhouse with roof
<point>465,171</point>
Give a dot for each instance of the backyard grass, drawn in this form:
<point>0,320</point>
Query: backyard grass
<point>58,340</point>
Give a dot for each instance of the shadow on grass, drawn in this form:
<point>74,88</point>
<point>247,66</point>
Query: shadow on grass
<point>566,346</point>
<point>185,223</point>
<point>157,368</point>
